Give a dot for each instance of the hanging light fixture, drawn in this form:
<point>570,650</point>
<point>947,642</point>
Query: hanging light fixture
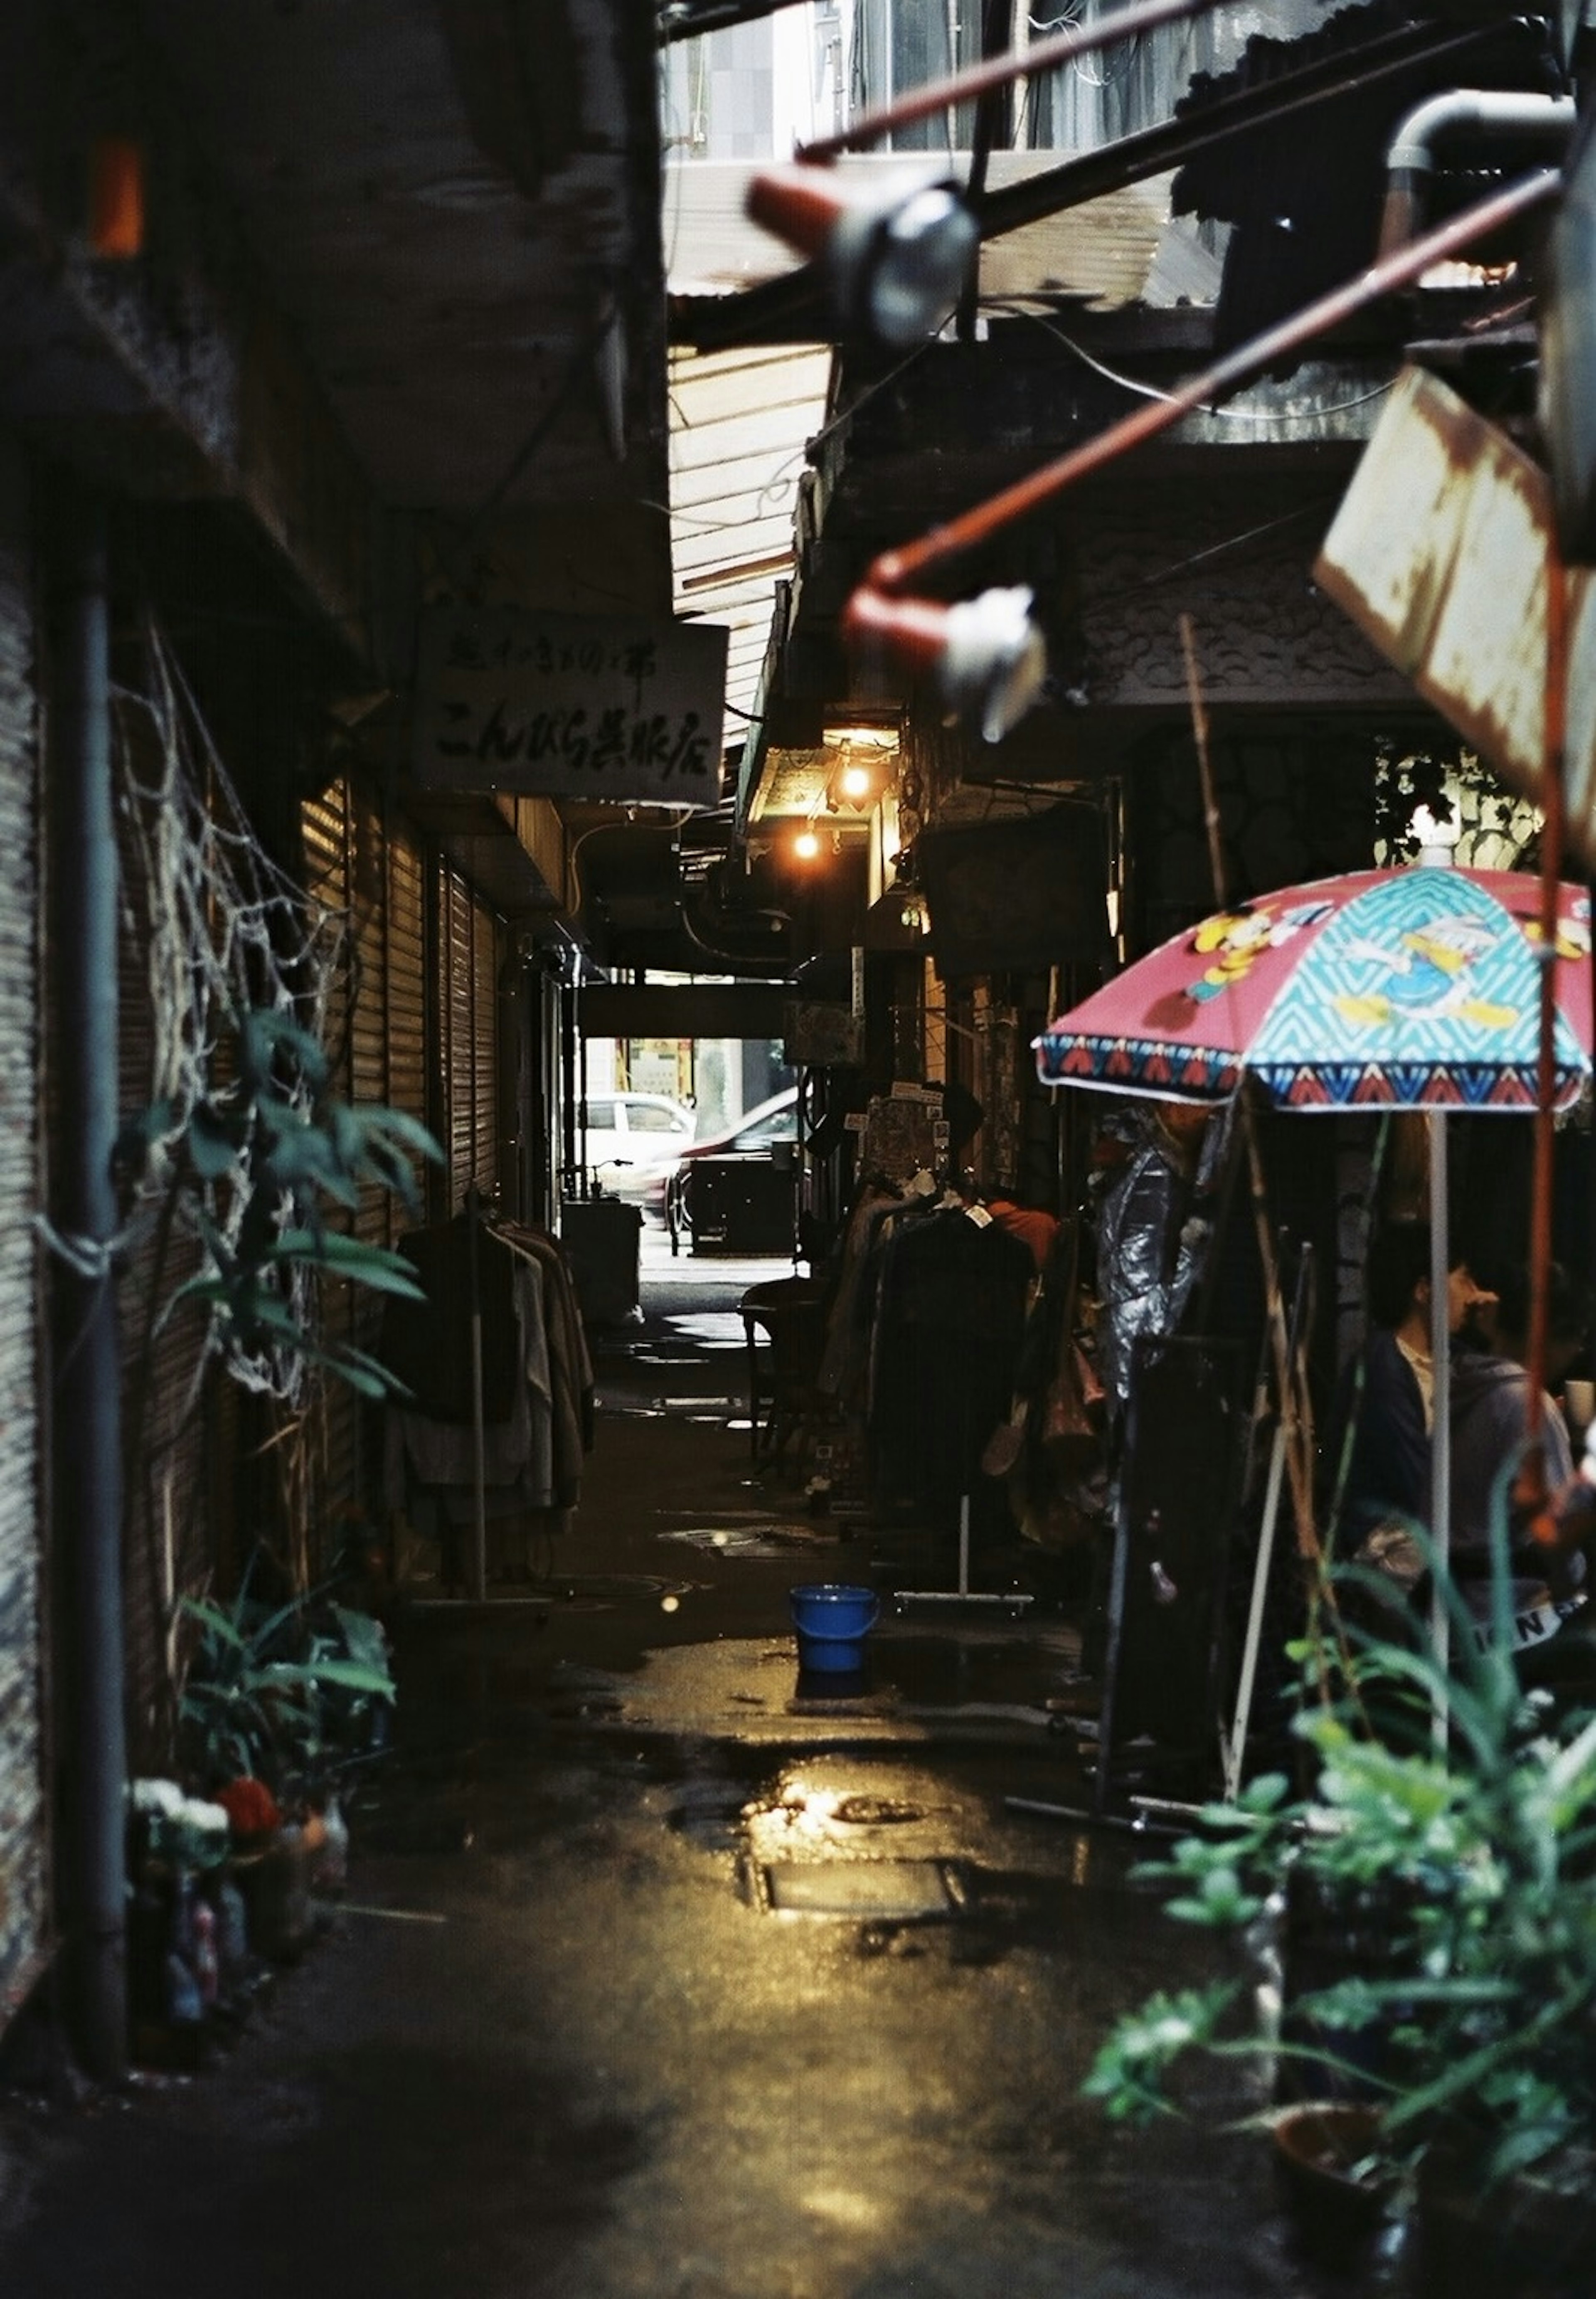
<point>895,254</point>
<point>984,656</point>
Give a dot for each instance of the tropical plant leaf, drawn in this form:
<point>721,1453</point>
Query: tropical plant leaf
<point>398,1126</point>
<point>213,1618</point>
<point>372,1266</point>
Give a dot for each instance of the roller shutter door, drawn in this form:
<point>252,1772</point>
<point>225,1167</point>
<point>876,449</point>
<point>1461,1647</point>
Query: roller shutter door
<point>358,864</point>
<point>470,951</point>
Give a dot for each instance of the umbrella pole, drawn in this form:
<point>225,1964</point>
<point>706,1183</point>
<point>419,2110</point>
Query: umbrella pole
<point>1233,1746</point>
<point>1441,1427</point>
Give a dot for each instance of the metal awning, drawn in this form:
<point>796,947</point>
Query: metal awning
<point>739,424</point>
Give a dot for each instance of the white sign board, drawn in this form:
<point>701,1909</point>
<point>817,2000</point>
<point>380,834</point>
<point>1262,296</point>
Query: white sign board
<point>1440,552</point>
<point>570,706</point>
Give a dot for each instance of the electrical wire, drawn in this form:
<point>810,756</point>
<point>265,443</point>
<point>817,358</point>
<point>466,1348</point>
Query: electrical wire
<point>1214,550</point>
<point>1153,391</point>
<point>843,416</point>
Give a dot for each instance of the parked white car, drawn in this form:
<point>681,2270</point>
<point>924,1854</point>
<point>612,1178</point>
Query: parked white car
<point>629,1136</point>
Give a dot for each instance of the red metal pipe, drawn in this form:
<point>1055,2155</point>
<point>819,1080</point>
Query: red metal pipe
<point>798,204</point>
<point>895,571</point>
<point>982,79</point>
<point>1533,1485</point>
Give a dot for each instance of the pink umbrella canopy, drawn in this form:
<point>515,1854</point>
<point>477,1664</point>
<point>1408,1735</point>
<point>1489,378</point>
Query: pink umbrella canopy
<point>1414,989</point>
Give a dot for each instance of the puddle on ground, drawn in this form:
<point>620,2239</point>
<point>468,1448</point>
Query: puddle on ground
<point>752,1539</point>
<point>889,1849</point>
<point>902,1892</point>
<point>878,1811</point>
<point>957,1672</point>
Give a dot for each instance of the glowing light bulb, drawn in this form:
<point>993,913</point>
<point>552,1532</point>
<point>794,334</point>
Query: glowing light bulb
<point>806,845</point>
<point>854,782</point>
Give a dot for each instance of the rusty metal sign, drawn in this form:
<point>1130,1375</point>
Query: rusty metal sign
<point>570,706</point>
<point>1439,552</point>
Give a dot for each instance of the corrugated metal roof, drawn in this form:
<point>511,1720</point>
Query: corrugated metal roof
<point>739,422</point>
<point>1100,253</point>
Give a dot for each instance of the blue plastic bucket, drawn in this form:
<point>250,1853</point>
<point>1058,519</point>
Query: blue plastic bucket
<point>833,1621</point>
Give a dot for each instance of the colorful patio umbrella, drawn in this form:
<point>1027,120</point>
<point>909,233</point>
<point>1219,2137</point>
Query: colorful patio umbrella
<point>1410,989</point>
<point>1414,989</point>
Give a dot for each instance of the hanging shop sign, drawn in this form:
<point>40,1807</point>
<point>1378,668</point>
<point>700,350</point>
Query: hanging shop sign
<point>570,706</point>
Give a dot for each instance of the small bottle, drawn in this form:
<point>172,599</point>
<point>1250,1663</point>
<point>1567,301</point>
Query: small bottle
<point>182,1916</point>
<point>332,1865</point>
<point>207,1966</point>
<point>184,2008</point>
<point>232,1931</point>
<point>295,1912</point>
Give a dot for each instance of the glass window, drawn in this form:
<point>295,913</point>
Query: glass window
<point>599,1117</point>
<point>781,1126</point>
<point>643,1117</point>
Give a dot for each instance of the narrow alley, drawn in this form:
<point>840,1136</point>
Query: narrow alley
<point>662,1977</point>
<point>797,1150</point>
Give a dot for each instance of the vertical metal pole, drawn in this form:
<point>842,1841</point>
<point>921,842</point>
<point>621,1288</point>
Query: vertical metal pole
<point>473,1213</point>
<point>1441,1436</point>
<point>1113,1649</point>
<point>86,1370</point>
<point>568,1090</point>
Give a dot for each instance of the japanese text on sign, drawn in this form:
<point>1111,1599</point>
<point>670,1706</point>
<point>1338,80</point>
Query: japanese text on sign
<point>570,706</point>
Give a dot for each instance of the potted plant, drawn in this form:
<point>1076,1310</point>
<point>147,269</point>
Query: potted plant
<point>1462,2035</point>
<point>279,1700</point>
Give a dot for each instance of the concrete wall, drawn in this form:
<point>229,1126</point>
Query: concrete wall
<point>23,1794</point>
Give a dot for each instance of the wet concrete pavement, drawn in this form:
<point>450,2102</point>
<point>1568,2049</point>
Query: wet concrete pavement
<point>666,1974</point>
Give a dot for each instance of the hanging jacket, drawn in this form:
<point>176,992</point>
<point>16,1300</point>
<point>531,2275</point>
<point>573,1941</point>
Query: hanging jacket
<point>1490,1422</point>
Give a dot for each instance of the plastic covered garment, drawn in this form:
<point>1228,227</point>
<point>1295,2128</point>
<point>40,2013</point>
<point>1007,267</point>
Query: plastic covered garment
<point>1153,1239</point>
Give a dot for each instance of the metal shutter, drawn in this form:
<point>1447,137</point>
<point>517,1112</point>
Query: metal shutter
<point>484,1051</point>
<point>335,1452</point>
<point>356,861</point>
<point>469,949</point>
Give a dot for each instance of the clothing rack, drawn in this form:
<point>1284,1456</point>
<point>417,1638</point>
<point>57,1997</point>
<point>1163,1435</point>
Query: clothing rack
<point>496,1463</point>
<point>1014,1602</point>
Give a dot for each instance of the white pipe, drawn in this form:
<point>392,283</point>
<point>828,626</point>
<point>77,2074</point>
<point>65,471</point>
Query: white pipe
<point>1478,113</point>
<point>1462,114</point>
<point>1233,1746</point>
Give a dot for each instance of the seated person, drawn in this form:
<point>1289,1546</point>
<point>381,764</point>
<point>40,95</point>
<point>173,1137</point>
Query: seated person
<point>1386,1396</point>
<point>1491,1398</point>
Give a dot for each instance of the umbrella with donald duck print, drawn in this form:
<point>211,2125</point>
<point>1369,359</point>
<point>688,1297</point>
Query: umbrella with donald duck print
<point>1407,989</point>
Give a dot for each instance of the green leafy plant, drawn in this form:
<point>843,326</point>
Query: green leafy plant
<point>257,1157</point>
<point>285,1693</point>
<point>1460,1882</point>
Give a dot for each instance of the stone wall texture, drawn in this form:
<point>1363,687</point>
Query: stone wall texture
<point>22,1822</point>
